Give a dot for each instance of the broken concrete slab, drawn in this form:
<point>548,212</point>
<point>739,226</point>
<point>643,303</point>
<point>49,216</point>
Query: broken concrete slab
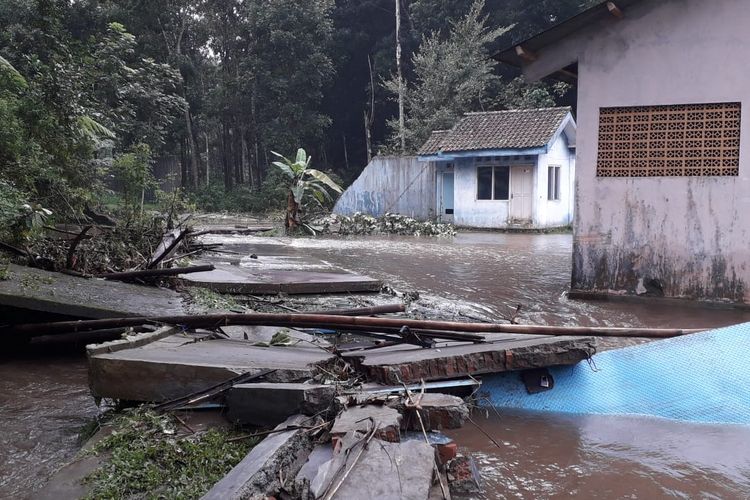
<point>240,280</point>
<point>64,295</point>
<point>502,352</point>
<point>384,470</point>
<point>265,404</point>
<point>438,411</point>
<point>254,333</point>
<point>260,473</point>
<point>320,455</point>
<point>360,419</point>
<point>463,476</point>
<point>131,341</point>
<point>177,365</point>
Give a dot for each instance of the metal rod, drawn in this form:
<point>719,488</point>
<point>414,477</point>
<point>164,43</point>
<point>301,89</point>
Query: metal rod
<point>334,321</point>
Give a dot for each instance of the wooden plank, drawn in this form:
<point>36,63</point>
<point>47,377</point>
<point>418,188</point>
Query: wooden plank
<point>525,54</point>
<point>615,10</point>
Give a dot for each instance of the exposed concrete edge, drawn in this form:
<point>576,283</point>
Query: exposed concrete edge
<point>612,296</point>
<point>131,341</point>
<point>257,475</point>
<point>50,306</point>
<point>312,287</point>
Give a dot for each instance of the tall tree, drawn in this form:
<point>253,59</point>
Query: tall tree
<point>453,74</point>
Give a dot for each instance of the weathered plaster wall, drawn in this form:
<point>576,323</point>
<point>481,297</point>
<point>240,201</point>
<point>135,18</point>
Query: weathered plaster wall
<point>551,213</point>
<point>392,184</point>
<point>471,212</point>
<point>682,236</point>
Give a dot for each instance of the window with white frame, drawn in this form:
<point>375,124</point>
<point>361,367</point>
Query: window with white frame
<point>493,183</point>
<point>553,182</point>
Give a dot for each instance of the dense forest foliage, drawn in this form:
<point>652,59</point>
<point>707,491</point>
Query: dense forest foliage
<point>91,89</point>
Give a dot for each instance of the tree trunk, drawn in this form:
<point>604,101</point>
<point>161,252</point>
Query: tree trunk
<point>368,139</point>
<point>192,150</point>
<point>208,162</point>
<point>184,181</point>
<point>225,158</point>
<point>369,119</point>
<point>401,131</point>
<point>291,223</point>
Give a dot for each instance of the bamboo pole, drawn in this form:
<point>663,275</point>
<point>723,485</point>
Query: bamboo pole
<point>334,321</point>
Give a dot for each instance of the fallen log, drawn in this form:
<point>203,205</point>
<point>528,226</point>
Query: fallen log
<point>69,261</point>
<point>167,246</point>
<point>14,250</point>
<point>364,311</point>
<point>343,322</point>
<point>150,273</point>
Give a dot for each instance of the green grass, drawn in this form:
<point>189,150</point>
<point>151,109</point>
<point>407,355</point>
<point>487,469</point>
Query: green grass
<point>214,301</point>
<point>151,456</point>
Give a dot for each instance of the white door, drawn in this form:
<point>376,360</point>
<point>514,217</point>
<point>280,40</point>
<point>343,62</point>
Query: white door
<point>446,212</point>
<point>521,192</point>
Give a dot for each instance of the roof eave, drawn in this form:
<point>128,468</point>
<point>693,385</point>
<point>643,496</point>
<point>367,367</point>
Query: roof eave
<point>523,53</point>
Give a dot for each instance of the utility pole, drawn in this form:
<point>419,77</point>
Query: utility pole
<point>401,131</point>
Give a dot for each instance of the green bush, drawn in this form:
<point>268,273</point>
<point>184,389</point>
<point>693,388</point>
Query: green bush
<point>270,196</point>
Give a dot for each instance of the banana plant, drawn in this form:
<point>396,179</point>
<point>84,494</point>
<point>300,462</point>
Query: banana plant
<point>304,183</point>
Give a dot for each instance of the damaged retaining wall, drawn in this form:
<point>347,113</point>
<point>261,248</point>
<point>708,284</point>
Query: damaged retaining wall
<point>395,184</point>
<point>672,236</point>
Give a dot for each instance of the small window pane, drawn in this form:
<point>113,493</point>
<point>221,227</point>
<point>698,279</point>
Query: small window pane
<point>553,183</point>
<point>502,181</point>
<point>550,182</point>
<point>484,183</point>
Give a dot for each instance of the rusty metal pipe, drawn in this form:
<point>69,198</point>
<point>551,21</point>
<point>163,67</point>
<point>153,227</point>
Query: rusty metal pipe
<point>328,321</point>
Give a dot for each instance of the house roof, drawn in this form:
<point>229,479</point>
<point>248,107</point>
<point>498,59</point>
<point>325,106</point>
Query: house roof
<point>432,146</point>
<point>513,129</point>
<point>524,52</point>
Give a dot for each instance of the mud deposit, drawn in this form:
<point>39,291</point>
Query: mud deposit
<point>44,399</point>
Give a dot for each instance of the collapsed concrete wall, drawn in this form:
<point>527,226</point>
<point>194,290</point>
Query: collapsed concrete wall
<point>395,184</point>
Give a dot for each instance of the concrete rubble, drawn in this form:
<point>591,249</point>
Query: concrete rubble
<point>265,404</point>
<point>358,418</point>
<point>334,437</point>
<point>262,471</point>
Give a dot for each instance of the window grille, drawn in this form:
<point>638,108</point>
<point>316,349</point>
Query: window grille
<point>674,140</point>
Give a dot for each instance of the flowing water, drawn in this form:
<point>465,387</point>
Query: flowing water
<point>546,455</point>
<point>44,399</point>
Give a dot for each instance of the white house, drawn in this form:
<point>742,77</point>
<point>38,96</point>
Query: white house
<point>663,153</point>
<point>505,169</point>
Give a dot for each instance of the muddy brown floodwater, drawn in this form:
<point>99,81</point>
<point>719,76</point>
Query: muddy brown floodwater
<point>44,399</point>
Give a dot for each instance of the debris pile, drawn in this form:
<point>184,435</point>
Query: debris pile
<point>363,224</point>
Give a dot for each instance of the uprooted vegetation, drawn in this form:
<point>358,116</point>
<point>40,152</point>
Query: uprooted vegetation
<point>363,224</point>
<point>155,456</point>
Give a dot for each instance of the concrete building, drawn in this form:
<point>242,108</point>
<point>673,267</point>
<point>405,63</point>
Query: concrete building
<point>505,169</point>
<point>663,165</point>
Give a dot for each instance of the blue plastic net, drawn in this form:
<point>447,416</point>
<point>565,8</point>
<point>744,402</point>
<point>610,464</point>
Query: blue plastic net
<point>703,377</point>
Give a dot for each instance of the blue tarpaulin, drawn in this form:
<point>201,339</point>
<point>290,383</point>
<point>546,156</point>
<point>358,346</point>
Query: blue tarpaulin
<point>702,377</point>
